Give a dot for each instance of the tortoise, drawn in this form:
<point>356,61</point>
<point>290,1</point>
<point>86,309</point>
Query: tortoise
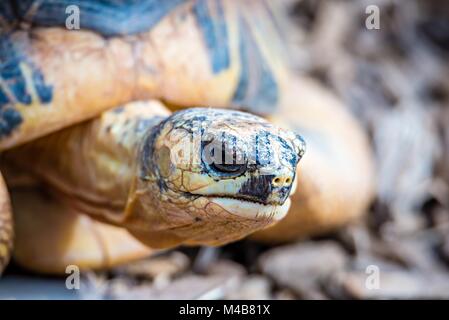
<point>88,113</point>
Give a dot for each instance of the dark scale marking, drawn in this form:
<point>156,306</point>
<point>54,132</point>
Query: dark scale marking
<point>20,91</point>
<point>262,149</point>
<point>10,71</point>
<point>284,193</point>
<point>288,153</point>
<point>109,18</point>
<point>9,120</point>
<point>215,33</point>
<point>11,57</point>
<point>232,147</point>
<point>148,156</point>
<point>190,119</point>
<point>257,188</point>
<point>257,88</point>
<point>45,92</point>
<point>190,123</point>
<point>303,143</point>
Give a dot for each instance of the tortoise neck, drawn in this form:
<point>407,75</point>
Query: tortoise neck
<point>93,164</point>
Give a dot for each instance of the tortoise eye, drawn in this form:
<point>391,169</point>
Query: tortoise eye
<point>236,169</point>
<point>225,158</point>
<point>230,162</point>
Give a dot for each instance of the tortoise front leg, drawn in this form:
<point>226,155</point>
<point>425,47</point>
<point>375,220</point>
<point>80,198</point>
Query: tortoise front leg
<point>6,226</point>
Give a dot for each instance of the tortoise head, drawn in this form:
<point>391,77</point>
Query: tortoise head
<point>211,176</point>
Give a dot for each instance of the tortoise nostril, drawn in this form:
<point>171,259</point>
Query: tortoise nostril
<point>277,181</point>
<point>282,181</point>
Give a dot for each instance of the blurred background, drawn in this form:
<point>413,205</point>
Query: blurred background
<point>395,80</point>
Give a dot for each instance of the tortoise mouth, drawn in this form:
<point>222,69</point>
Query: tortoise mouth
<point>247,208</point>
<point>251,209</point>
<point>239,198</point>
